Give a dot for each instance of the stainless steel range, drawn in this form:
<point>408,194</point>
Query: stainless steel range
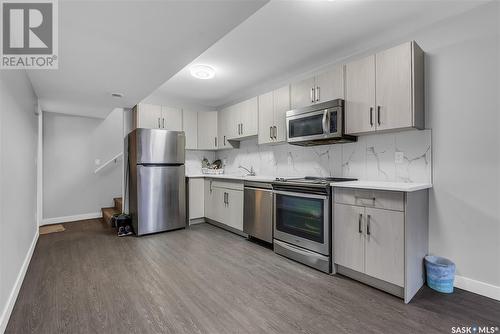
<point>302,220</point>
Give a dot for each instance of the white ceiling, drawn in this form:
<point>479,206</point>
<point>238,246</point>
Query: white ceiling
<point>130,47</point>
<point>285,38</point>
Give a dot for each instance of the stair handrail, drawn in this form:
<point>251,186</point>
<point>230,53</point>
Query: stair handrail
<point>112,160</point>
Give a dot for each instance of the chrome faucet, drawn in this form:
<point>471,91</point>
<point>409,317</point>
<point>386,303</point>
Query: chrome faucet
<point>251,172</point>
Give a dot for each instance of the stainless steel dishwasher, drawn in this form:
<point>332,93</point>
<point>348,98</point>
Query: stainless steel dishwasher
<point>258,210</point>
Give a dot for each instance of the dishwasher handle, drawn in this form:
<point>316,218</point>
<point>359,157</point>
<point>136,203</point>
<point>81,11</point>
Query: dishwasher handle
<point>258,186</point>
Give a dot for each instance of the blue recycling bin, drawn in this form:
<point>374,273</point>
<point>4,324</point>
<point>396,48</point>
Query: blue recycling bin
<point>440,273</point>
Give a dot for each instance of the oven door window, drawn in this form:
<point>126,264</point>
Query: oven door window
<point>306,126</point>
<point>300,216</point>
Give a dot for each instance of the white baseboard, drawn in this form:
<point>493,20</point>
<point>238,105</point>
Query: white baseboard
<point>4,318</point>
<point>66,219</point>
<point>481,288</point>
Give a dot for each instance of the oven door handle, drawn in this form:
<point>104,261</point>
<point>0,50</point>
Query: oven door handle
<point>299,194</point>
<point>325,121</point>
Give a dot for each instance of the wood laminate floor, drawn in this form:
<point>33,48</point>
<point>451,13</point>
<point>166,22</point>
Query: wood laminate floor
<point>206,280</point>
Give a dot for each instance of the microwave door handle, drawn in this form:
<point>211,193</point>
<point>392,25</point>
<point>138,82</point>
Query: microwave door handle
<point>325,122</point>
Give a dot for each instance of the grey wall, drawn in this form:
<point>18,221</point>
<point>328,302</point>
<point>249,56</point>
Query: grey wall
<point>463,106</point>
<point>18,153</point>
<point>70,147</point>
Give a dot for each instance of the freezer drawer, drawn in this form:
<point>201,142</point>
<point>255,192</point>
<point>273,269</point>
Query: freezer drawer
<point>258,213</point>
<point>161,199</point>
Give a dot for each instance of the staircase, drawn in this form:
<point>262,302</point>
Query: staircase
<point>107,213</point>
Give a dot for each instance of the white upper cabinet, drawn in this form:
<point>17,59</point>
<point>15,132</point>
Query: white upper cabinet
<point>272,115</point>
<point>171,118</point>
<point>249,117</point>
<point>207,130</point>
<point>266,118</point>
<point>385,91</point>
<point>223,119</point>
<point>281,98</point>
<point>302,93</point>
<point>325,86</point>
<point>241,119</point>
<point>151,116</point>
<point>330,84</point>
<point>393,87</point>
<point>147,116</point>
<point>190,128</point>
<point>360,95</point>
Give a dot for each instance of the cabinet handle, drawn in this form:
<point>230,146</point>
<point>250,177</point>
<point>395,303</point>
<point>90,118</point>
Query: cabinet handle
<point>371,116</point>
<point>317,94</point>
<point>159,125</point>
<point>271,132</point>
<point>227,199</point>
<point>378,115</point>
<point>224,140</point>
<point>163,122</point>
<point>373,199</point>
<point>368,218</point>
<point>215,141</point>
<point>275,132</point>
<point>360,230</point>
<point>241,128</point>
<point>312,95</point>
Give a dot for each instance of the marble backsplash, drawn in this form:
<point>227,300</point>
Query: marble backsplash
<point>193,160</point>
<point>399,157</point>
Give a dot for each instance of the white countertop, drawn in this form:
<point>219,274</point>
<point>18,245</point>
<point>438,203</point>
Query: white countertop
<point>383,185</point>
<point>375,185</point>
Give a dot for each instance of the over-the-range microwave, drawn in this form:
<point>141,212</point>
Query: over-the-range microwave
<point>319,124</point>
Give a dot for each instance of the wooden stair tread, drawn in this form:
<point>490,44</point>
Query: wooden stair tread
<point>118,201</point>
<point>108,213</point>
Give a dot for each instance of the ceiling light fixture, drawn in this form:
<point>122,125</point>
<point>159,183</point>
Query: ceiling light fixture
<point>119,95</point>
<point>202,72</point>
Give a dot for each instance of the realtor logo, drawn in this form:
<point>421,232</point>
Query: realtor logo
<point>29,34</point>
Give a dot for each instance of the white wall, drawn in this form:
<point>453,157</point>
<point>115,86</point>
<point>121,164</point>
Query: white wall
<point>71,144</point>
<point>18,182</point>
<point>463,106</point>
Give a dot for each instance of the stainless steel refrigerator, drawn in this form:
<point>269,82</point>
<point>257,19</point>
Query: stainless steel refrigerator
<point>157,194</point>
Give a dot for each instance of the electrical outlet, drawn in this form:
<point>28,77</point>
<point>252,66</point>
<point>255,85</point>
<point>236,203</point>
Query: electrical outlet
<point>399,157</point>
<point>97,162</point>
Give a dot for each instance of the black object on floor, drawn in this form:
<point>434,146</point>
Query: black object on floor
<point>124,224</point>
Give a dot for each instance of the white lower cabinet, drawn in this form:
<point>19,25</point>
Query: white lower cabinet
<point>224,203</point>
<point>349,239</point>
<point>196,202</point>
<point>384,246</point>
<point>381,238</point>
<point>233,210</point>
